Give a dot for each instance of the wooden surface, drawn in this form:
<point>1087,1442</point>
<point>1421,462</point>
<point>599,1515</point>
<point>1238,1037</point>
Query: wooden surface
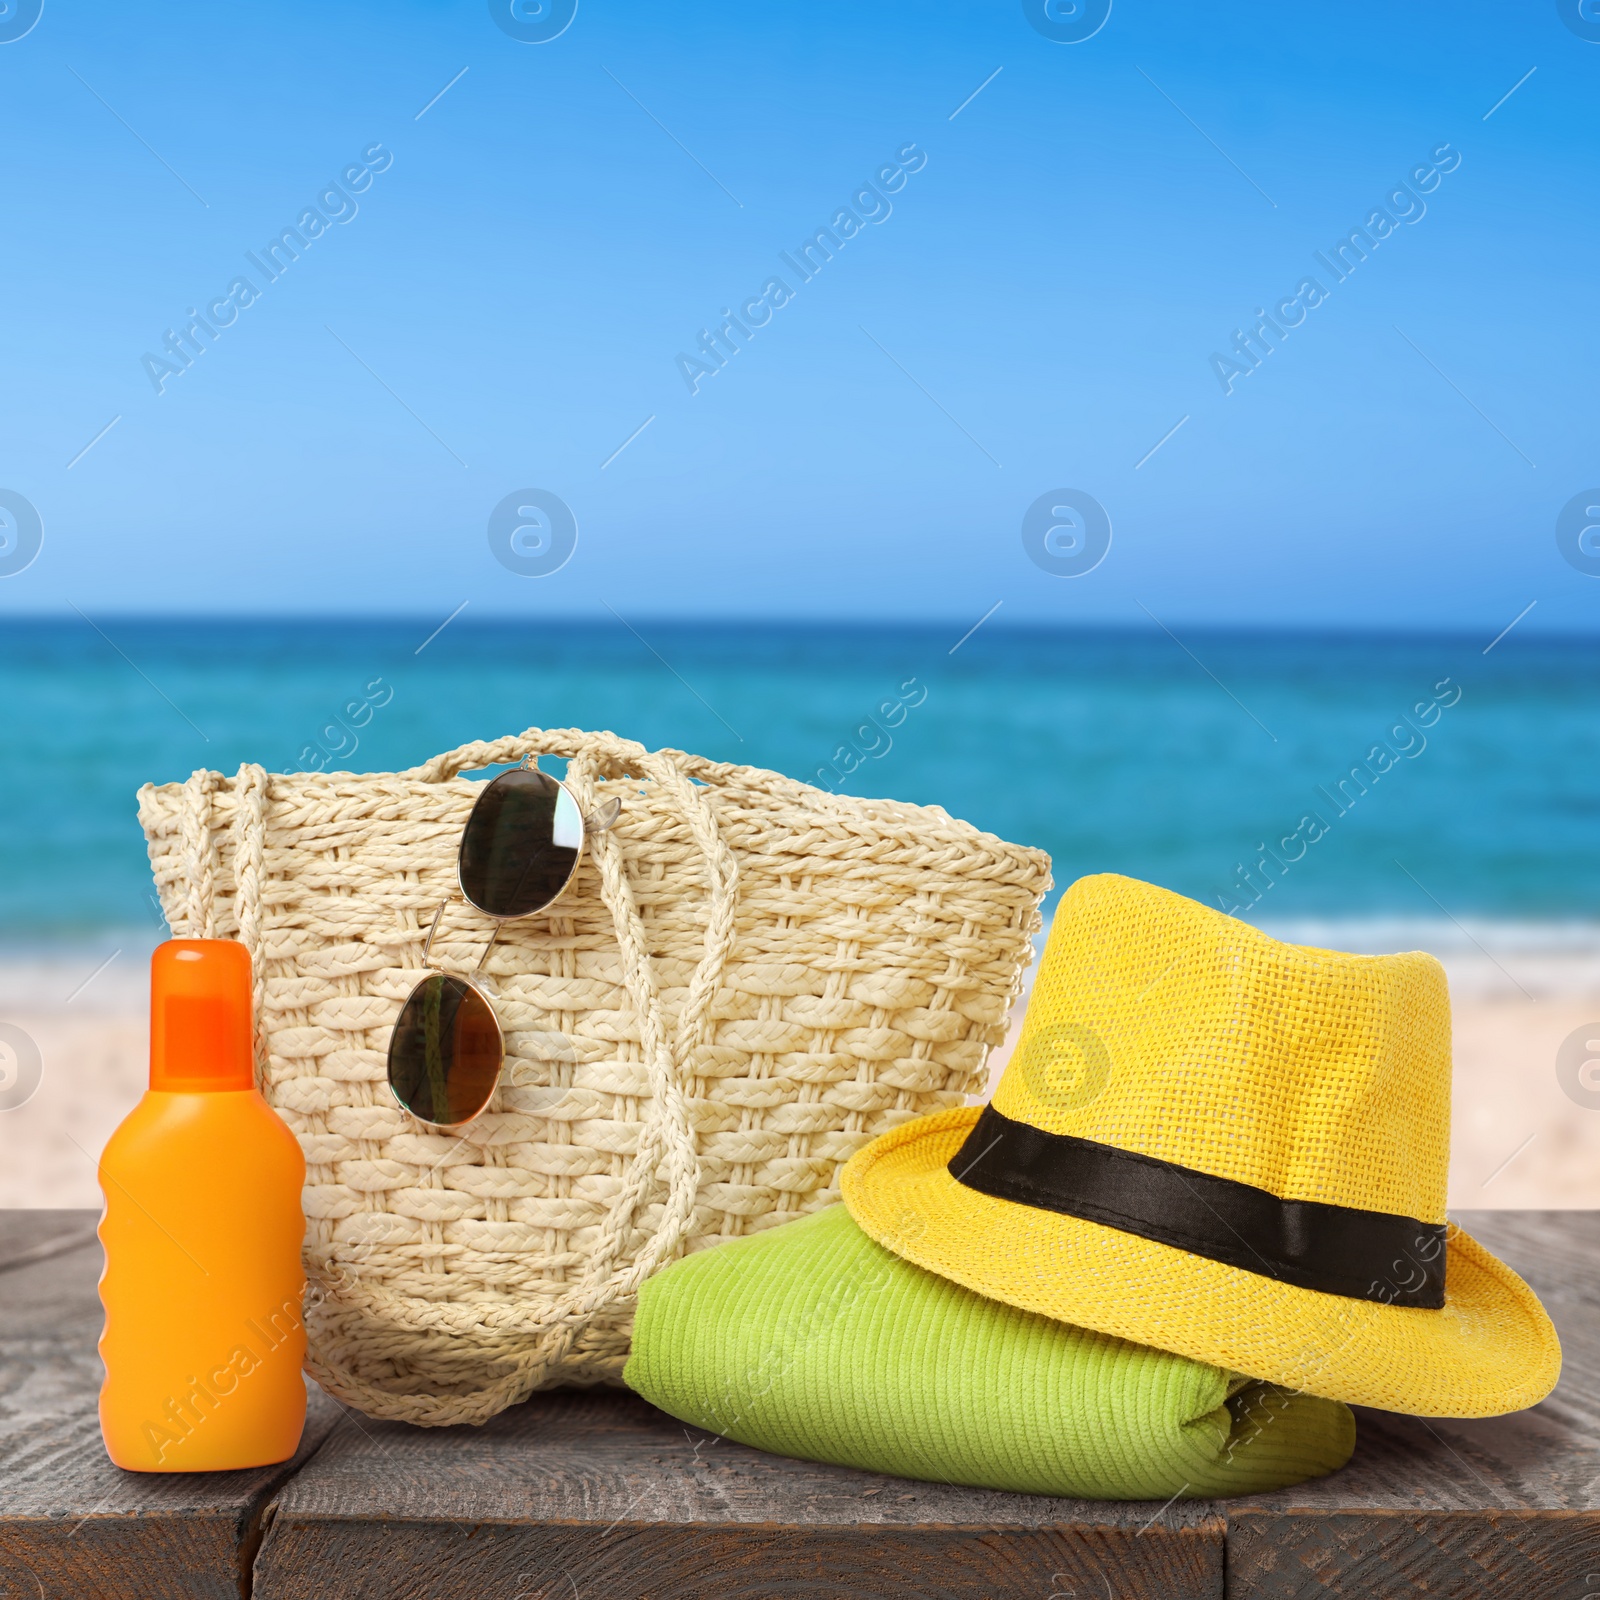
<point>603,1494</point>
<point>1503,1506</point>
<point>597,1495</point>
<point>71,1524</point>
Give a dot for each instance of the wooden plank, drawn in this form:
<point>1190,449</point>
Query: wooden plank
<point>71,1524</point>
<point>1445,1508</point>
<point>600,1495</point>
<point>1558,1252</point>
<point>1467,1556</point>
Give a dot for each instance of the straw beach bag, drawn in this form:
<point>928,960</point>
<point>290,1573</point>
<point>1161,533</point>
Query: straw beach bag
<point>748,980</point>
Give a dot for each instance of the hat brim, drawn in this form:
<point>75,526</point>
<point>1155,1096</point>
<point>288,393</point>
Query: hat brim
<point>1489,1350</point>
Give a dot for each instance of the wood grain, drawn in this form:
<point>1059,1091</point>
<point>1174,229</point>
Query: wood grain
<point>1557,1252</point>
<point>1444,1508</point>
<point>601,1494</point>
<point>597,1495</point>
<point>71,1524</point>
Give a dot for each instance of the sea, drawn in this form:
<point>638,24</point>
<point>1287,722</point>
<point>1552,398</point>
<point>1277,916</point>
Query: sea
<point>1366,791</point>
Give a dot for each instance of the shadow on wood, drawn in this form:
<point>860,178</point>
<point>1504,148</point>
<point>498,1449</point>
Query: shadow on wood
<point>73,1524</point>
<point>598,1496</point>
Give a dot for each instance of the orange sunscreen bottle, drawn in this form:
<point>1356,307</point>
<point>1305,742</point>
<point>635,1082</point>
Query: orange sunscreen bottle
<point>203,1341</point>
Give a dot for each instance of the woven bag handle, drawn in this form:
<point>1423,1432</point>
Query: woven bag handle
<point>614,757</point>
<point>617,757</point>
<point>601,755</point>
<point>665,1154</point>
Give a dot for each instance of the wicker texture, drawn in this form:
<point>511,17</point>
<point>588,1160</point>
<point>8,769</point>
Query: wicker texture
<point>1161,1026</point>
<point>749,980</point>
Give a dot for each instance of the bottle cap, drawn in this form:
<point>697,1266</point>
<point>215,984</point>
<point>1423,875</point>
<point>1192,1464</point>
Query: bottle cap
<point>201,1034</point>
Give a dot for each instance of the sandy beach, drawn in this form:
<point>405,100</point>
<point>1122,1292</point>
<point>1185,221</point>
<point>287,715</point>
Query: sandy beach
<point>1519,1139</point>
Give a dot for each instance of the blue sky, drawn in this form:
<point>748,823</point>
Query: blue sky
<point>1051,270</point>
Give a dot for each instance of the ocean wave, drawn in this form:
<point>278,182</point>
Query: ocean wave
<point>1483,957</point>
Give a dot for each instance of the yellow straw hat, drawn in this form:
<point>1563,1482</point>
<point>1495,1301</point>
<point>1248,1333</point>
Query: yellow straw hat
<point>1229,1148</point>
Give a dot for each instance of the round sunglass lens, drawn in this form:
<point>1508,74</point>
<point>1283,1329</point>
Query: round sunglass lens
<point>445,1052</point>
<point>520,846</point>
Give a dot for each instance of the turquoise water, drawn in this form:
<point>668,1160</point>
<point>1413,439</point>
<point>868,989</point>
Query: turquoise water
<point>1114,751</point>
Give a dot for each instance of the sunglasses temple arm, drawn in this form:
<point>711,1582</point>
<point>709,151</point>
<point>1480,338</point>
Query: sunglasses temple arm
<point>486,949</point>
<point>433,928</point>
<point>603,817</point>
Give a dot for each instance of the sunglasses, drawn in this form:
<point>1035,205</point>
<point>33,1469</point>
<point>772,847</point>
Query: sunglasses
<point>520,851</point>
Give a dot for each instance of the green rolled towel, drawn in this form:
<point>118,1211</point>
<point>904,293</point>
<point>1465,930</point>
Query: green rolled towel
<point>812,1340</point>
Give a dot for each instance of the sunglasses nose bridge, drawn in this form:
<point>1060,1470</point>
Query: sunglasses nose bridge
<point>519,852</point>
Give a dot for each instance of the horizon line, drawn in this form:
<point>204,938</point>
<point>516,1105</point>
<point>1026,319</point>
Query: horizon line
<point>611,622</point>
